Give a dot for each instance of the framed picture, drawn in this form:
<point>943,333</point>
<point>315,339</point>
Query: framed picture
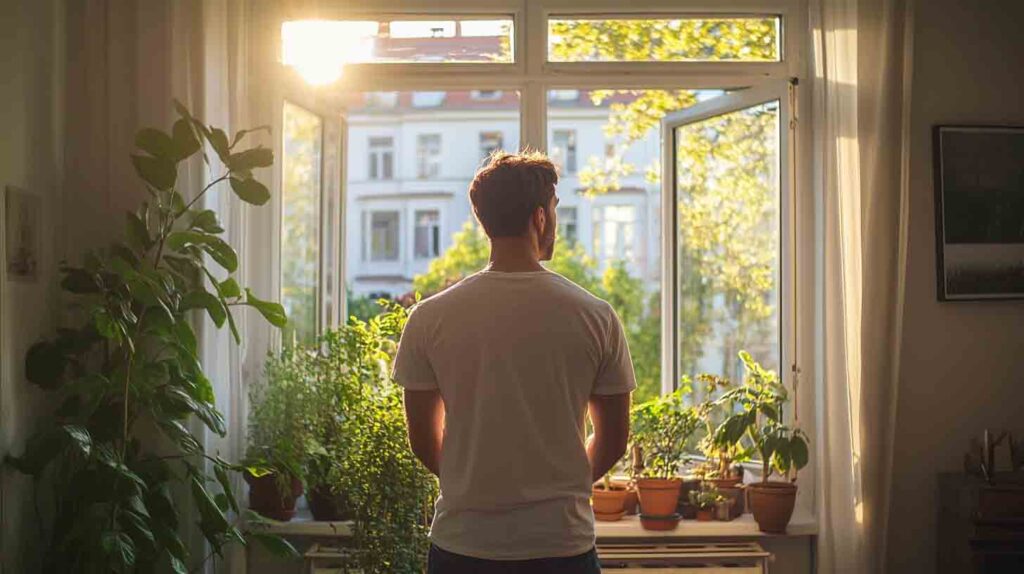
<point>979,212</point>
<point>22,234</point>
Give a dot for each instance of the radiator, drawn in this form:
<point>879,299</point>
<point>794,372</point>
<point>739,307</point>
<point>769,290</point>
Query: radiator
<point>685,558</point>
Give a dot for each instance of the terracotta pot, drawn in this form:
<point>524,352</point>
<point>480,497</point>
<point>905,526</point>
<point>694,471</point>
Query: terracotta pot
<point>608,502</point>
<point>721,483</point>
<point>772,504</point>
<point>705,514</point>
<point>266,498</point>
<point>659,522</point>
<point>632,500</point>
<point>326,506</point>
<point>659,496</point>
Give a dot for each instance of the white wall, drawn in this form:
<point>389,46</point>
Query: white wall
<point>31,80</point>
<point>962,363</point>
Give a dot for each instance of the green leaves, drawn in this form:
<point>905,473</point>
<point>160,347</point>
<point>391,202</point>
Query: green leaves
<point>119,547</point>
<point>214,246</point>
<point>250,191</point>
<point>276,545</point>
<point>272,312</point>
<point>202,299</point>
<point>250,159</point>
<point>160,173</point>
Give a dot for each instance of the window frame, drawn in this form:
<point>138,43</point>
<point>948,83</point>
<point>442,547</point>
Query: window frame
<point>433,238</point>
<point>367,235</point>
<point>533,76</point>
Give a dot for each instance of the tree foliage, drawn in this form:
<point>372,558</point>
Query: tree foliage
<point>129,373</point>
<point>726,167</point>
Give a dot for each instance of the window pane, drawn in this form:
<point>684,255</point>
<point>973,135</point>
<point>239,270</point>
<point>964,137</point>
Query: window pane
<point>727,173</point>
<point>300,222</point>
<point>427,234</point>
<point>563,150</point>
<point>736,39</point>
<point>383,234</point>
<point>611,206</point>
<point>455,40</point>
<point>435,152</point>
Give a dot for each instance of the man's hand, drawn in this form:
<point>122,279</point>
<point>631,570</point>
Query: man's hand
<point>424,413</point>
<point>610,417</point>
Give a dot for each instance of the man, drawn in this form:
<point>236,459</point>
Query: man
<point>499,371</point>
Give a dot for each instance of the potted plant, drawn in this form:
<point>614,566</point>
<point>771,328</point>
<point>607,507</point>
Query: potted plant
<point>120,458</point>
<point>720,455</point>
<point>661,428</point>
<point>609,500</point>
<point>781,448</point>
<point>706,500</point>
<point>279,434</point>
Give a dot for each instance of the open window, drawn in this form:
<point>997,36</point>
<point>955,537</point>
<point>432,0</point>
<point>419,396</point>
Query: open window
<point>725,206</point>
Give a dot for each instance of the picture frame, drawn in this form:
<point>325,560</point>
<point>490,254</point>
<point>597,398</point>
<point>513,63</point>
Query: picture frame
<point>22,234</point>
<point>979,212</point>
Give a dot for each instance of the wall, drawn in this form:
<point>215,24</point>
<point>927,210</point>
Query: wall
<point>31,71</point>
<point>962,363</point>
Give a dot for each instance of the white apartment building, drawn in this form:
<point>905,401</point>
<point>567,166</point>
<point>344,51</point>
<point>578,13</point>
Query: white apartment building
<point>412,155</point>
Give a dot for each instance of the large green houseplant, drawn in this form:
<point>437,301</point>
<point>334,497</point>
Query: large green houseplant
<point>760,418</point>
<point>120,455</point>
<point>661,429</point>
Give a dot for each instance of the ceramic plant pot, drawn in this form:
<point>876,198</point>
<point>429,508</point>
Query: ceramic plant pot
<point>659,496</point>
<point>659,522</point>
<point>266,498</point>
<point>608,504</point>
<point>326,506</point>
<point>705,514</point>
<point>772,504</point>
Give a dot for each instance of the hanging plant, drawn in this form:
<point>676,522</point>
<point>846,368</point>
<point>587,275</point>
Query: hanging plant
<point>129,372</point>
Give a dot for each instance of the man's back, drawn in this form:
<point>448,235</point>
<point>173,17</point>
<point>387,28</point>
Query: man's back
<point>515,357</point>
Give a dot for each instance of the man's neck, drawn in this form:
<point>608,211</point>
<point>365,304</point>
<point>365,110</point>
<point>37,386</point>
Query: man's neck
<point>513,255</point>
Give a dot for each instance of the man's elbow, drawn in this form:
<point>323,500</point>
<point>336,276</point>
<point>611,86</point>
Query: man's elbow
<point>620,445</point>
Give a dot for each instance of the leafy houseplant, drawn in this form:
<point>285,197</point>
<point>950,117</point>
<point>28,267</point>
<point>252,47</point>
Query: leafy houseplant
<point>706,499</point>
<point>661,428</point>
<point>129,373</point>
<point>720,455</point>
<point>279,434</point>
<point>783,449</point>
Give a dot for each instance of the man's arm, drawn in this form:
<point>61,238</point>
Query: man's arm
<point>424,413</point>
<point>610,417</point>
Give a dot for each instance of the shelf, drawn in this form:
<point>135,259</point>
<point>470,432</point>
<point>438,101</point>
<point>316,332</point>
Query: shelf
<point>625,529</point>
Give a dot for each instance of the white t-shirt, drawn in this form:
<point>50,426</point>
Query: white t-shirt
<point>516,357</point>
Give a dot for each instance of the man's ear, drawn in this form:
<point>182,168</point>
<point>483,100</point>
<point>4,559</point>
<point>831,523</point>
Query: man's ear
<point>539,220</point>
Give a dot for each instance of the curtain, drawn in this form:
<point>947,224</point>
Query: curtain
<point>861,71</point>
<point>126,61</point>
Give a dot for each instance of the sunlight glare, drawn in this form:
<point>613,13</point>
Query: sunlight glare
<point>319,49</point>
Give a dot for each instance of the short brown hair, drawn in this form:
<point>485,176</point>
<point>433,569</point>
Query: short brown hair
<point>507,191</point>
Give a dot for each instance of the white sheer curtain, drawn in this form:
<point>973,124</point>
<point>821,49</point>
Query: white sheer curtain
<point>861,84</point>
<point>126,60</point>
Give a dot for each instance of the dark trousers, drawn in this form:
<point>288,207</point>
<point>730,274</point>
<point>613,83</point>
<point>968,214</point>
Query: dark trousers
<point>444,562</point>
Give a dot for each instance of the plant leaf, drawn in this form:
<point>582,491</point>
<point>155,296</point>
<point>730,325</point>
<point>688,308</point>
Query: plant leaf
<point>229,288</point>
<point>45,365</point>
<point>185,139</point>
<point>250,159</point>
<point>156,143</point>
<point>250,191</point>
<point>276,545</point>
<point>203,299</point>
<point>225,483</point>
<point>159,173</point>
<point>119,547</point>
<point>272,312</point>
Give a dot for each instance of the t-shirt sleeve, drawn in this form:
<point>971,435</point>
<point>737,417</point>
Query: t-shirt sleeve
<point>615,375</point>
<point>412,366</point>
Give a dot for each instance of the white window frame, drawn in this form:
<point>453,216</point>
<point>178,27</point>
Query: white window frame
<point>429,166</point>
<point>533,76</point>
<point>376,155</point>
<point>367,235</point>
<point>437,227</point>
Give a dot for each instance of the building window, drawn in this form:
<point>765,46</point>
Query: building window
<point>428,99</point>
<point>427,234</point>
<point>485,95</point>
<point>382,157</point>
<point>615,234</point>
<point>428,156</point>
<point>563,95</point>
<point>490,142</point>
<point>381,236</point>
<point>563,150</point>
<point>381,100</point>
<point>567,226</point>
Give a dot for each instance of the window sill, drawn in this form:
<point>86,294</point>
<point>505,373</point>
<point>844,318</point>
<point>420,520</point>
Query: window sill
<point>625,529</point>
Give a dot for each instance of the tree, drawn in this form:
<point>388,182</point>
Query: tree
<point>726,165</point>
